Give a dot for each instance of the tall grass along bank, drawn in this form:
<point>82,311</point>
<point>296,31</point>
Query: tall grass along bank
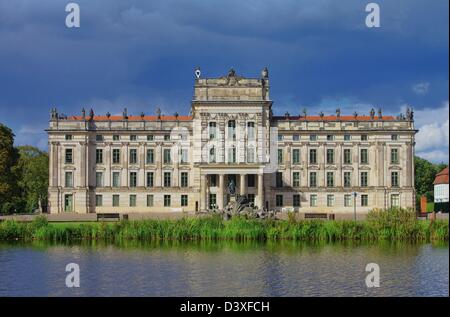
<point>394,225</point>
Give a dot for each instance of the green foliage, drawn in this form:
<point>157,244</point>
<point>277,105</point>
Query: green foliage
<point>425,172</point>
<point>8,158</point>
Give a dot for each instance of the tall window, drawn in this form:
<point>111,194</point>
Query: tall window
<point>116,156</point>
<point>133,156</point>
<point>149,200</point>
<point>98,200</point>
<point>364,200</point>
<point>296,156</point>
<point>347,200</point>
<point>394,156</point>
<point>330,179</point>
<point>167,179</point>
<point>133,137</point>
<point>99,179</point>
<point>313,137</point>
<point>280,156</point>
<point>250,154</point>
<point>166,137</point>
<point>347,156</point>
<point>394,137</point>
<point>167,157</point>
<point>347,137</point>
<point>184,200</point>
<point>116,179</point>
<point>364,179</point>
<point>313,156</point>
<point>347,179</point>
<point>150,156</point>
<point>296,200</point>
<point>330,156</point>
<point>251,130</point>
<point>232,130</point>
<point>279,179</point>
<point>212,131</point>
<point>364,137</point>
<point>68,179</point>
<point>116,200</point>
<point>395,200</point>
<point>232,155</point>
<point>279,200</point>
<point>116,137</point>
<point>132,200</point>
<point>251,180</point>
<point>296,179</point>
<point>99,156</point>
<point>364,156</point>
<point>313,200</point>
<point>212,155</point>
<point>99,138</point>
<point>213,180</point>
<point>150,179</point>
<point>166,200</point>
<point>330,137</point>
<point>184,179</point>
<point>312,179</point>
<point>183,156</point>
<point>394,179</point>
<point>133,179</point>
<point>150,137</point>
<point>69,156</point>
<point>296,137</point>
<point>330,200</point>
<point>68,137</point>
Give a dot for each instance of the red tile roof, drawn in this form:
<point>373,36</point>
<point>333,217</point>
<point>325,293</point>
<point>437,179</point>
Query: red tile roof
<point>133,118</point>
<point>441,177</point>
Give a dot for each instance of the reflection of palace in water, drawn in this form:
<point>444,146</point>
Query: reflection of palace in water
<point>302,162</point>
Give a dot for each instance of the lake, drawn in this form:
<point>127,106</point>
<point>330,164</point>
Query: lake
<point>224,269</point>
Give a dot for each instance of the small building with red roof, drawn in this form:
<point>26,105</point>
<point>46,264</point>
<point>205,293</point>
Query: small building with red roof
<point>441,191</point>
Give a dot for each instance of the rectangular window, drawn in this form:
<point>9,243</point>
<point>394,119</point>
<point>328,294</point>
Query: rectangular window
<point>133,137</point>
<point>394,156</point>
<point>166,137</point>
<point>212,131</point>
<point>99,138</point>
<point>280,137</point>
<point>364,156</point>
<point>68,137</point>
<point>313,156</point>
<point>364,200</point>
<point>330,179</point>
<point>133,179</point>
<point>68,179</point>
<point>149,200</point>
<point>280,156</point>
<point>166,200</point>
<point>296,137</point>
<point>116,156</point>
<point>394,137</point>
<point>279,200</point>
<point>394,179</point>
<point>184,200</point>
<point>69,156</point>
<point>232,130</point>
<point>312,179</point>
<point>98,200</point>
<point>296,200</point>
<point>68,202</point>
<point>116,137</point>
<point>232,155</point>
<point>150,179</point>
<point>251,180</point>
<point>347,179</point>
<point>364,137</point>
<point>212,201</point>
<point>213,180</point>
<point>116,179</point>
<point>133,156</point>
<point>167,156</point>
<point>347,200</point>
<point>150,156</point>
<point>132,200</point>
<point>296,156</point>
<point>347,137</point>
<point>330,200</point>
<point>183,156</point>
<point>150,137</point>
<point>347,156</point>
<point>395,200</point>
<point>184,179</point>
<point>167,179</point>
<point>313,137</point>
<point>313,200</point>
<point>296,179</point>
<point>99,179</point>
<point>279,179</point>
<point>250,154</point>
<point>330,137</point>
<point>99,156</point>
<point>116,200</point>
<point>364,179</point>
<point>251,130</point>
<point>330,156</point>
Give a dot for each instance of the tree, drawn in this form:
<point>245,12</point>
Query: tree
<point>32,176</point>
<point>8,158</point>
<point>425,173</point>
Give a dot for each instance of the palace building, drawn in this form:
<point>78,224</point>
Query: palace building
<point>305,163</point>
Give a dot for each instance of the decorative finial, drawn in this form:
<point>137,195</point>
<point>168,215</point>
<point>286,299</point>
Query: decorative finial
<point>142,115</point>
<point>158,113</point>
<point>321,114</point>
<point>372,114</point>
<point>286,115</point>
<point>304,112</point>
<point>411,114</point>
<point>265,73</point>
<point>380,114</point>
<point>231,72</point>
<point>338,113</point>
<point>125,113</point>
<point>408,113</point>
<point>83,113</point>
<point>197,72</point>
<point>54,114</point>
<point>355,114</point>
<point>108,114</point>
<point>176,115</point>
<point>91,114</point>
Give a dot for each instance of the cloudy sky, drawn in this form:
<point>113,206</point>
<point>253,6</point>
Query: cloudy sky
<point>141,55</point>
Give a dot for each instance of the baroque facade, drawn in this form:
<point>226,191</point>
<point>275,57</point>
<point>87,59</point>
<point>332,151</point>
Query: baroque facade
<point>306,163</point>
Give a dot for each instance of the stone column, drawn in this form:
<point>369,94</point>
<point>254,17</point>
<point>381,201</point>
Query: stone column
<point>261,191</point>
<point>242,184</point>
<point>220,193</point>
